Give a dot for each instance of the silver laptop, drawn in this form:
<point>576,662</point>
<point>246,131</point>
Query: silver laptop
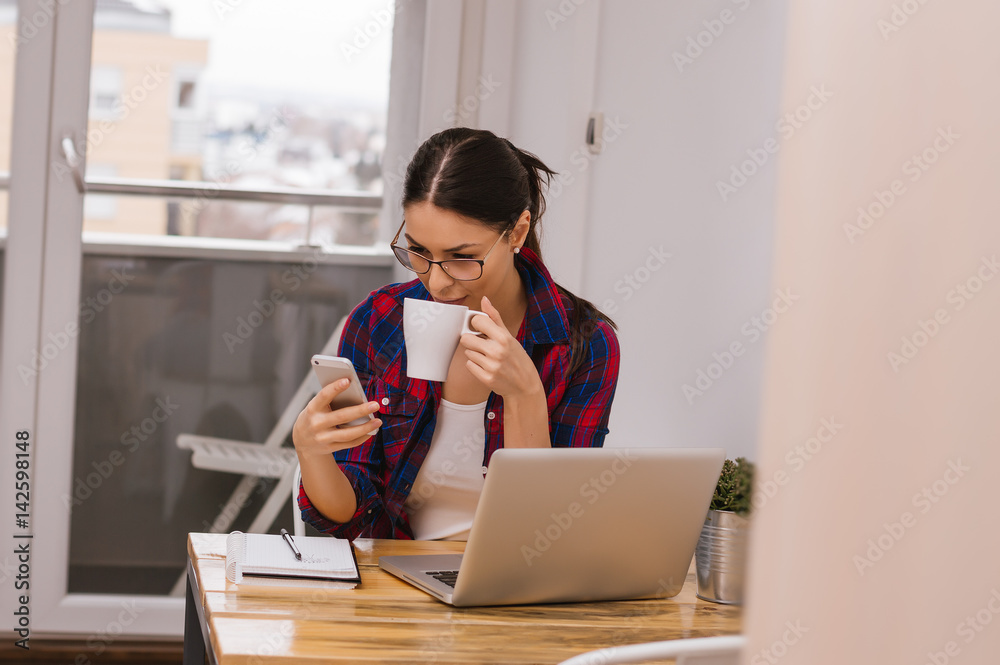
<point>575,525</point>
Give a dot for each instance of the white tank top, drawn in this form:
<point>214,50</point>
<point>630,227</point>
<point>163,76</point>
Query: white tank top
<point>444,496</point>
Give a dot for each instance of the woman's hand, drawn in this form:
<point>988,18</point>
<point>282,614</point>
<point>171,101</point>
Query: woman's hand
<point>499,360</point>
<point>316,431</point>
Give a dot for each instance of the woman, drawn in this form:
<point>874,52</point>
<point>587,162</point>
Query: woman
<point>543,373</point>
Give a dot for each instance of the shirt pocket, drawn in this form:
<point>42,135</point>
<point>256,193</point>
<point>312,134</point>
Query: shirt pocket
<point>398,410</point>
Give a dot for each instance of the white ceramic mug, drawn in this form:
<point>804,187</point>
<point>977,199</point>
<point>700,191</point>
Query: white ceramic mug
<point>432,330</point>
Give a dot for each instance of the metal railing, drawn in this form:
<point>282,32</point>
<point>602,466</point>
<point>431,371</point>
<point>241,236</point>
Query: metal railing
<point>192,189</point>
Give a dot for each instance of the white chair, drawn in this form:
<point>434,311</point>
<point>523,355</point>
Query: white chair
<point>297,524</point>
<point>258,460</point>
<point>695,651</point>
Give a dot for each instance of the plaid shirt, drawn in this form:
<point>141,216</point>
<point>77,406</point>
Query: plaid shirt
<point>383,469</point>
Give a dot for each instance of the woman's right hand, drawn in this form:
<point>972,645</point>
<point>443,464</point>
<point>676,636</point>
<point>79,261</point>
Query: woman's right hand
<point>316,431</point>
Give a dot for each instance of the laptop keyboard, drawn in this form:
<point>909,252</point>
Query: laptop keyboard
<point>446,576</point>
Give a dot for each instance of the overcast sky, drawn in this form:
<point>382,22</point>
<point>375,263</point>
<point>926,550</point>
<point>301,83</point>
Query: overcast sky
<point>292,45</point>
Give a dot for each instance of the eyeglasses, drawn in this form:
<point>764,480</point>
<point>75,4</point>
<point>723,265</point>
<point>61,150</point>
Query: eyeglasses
<point>464,270</point>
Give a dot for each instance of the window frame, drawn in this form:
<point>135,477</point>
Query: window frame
<point>44,250</point>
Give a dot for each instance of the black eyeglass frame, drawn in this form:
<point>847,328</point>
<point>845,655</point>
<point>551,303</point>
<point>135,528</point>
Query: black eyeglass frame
<point>482,262</point>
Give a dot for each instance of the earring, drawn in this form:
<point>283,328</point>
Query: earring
<point>517,250</point>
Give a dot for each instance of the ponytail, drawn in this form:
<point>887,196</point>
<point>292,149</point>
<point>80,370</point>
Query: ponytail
<point>536,171</point>
<point>584,315</point>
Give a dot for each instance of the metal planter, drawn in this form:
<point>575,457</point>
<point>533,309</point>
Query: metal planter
<point>720,557</point>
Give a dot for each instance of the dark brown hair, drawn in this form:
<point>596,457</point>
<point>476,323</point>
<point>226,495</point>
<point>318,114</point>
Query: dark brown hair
<point>479,175</point>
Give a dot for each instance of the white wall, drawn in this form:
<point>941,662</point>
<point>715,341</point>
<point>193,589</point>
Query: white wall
<point>879,536</point>
<point>654,186</point>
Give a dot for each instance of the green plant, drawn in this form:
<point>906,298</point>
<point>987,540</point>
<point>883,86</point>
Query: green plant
<point>733,489</point>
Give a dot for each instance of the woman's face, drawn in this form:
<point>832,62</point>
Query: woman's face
<point>440,235</point>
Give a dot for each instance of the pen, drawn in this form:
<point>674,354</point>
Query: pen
<point>288,539</point>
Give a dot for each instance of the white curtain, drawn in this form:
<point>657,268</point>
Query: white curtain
<point>877,537</point>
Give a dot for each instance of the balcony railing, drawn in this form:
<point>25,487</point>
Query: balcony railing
<point>112,243</point>
<point>208,190</point>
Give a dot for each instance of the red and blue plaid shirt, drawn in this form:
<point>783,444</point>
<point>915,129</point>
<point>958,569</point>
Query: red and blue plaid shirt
<point>383,469</point>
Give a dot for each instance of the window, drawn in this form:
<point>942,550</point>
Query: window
<point>266,96</point>
<point>158,317</point>
<point>105,92</point>
<point>258,98</point>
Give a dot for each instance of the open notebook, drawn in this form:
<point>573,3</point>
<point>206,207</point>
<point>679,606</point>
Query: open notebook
<point>261,558</point>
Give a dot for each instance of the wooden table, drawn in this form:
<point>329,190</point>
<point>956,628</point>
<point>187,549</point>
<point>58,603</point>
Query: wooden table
<point>386,620</point>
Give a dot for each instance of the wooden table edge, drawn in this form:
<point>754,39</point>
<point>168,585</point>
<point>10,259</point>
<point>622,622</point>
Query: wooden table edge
<point>198,637</point>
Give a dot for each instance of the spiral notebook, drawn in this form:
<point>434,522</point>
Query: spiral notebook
<point>266,559</point>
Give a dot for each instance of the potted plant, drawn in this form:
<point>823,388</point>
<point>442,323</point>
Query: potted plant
<point>720,557</point>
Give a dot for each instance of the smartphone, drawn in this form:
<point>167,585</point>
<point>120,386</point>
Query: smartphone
<point>329,369</point>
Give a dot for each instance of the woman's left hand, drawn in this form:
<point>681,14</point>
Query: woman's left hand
<point>499,360</point>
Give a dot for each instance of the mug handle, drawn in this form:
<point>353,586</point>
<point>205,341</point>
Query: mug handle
<point>466,327</point>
